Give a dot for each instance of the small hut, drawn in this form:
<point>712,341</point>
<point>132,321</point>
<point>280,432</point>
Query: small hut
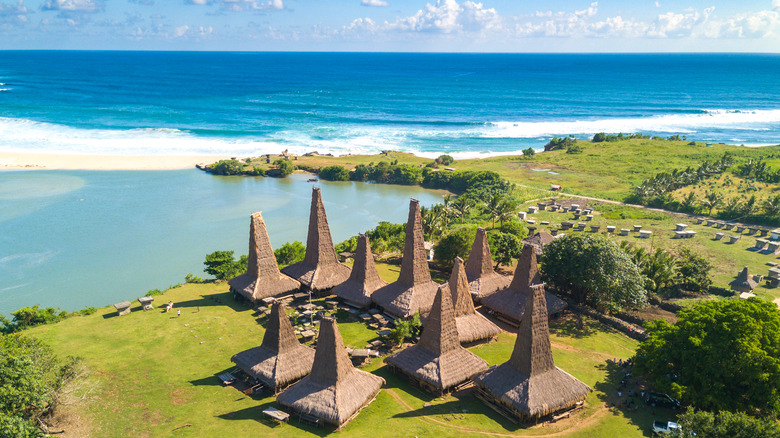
<point>414,290</point>
<point>509,303</point>
<point>438,362</point>
<point>280,360</point>
<point>320,268</point>
<point>744,282</point>
<point>483,279</point>
<point>472,326</point>
<point>363,280</point>
<point>335,391</point>
<point>539,241</point>
<point>262,278</point>
<point>529,386</point>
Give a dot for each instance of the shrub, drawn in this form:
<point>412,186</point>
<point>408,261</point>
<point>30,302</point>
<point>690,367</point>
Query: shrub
<point>599,137</point>
<point>154,293</point>
<point>530,152</point>
<point>444,160</point>
<point>349,245</point>
<point>223,266</point>
<point>457,243</point>
<point>290,253</point>
<point>284,167</point>
<point>515,228</point>
<point>192,278</point>
<point>334,173</point>
<point>227,167</point>
<point>504,248</point>
<point>559,143</point>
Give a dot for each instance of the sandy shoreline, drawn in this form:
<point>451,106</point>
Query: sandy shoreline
<point>18,161</point>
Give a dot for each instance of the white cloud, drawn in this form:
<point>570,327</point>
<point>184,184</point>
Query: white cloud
<point>444,17</point>
<point>251,5</point>
<point>657,5</point>
<point>559,24</point>
<point>13,13</point>
<point>73,5</point>
<point>379,3</point>
<point>180,31</point>
<point>776,5</point>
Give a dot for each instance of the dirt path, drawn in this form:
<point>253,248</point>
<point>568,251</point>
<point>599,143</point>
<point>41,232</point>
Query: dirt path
<point>586,422</point>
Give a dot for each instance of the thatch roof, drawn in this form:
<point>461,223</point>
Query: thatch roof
<point>335,391</point>
<point>472,326</point>
<point>280,359</point>
<point>744,282</point>
<point>262,278</point>
<point>529,383</point>
<point>539,241</point>
<point>363,280</point>
<point>511,301</point>
<point>438,359</point>
<point>414,290</point>
<point>320,269</point>
<point>483,280</point>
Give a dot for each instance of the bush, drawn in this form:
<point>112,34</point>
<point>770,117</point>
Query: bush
<point>27,317</point>
<point>192,278</point>
<point>349,245</point>
<point>226,167</point>
<point>574,149</point>
<point>444,160</point>
<point>530,152</point>
<point>290,253</point>
<point>559,143</point>
<point>405,328</point>
<point>223,266</point>
<point>504,248</point>
<point>514,227</point>
<point>599,137</point>
<point>407,175</point>
<point>283,167</point>
<point>154,293</point>
<point>334,173</point>
<point>457,243</point>
<point>693,271</point>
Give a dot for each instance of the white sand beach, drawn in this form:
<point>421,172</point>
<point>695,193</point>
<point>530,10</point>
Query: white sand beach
<point>16,161</point>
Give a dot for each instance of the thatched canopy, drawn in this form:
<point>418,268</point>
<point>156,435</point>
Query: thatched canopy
<point>364,279</point>
<point>539,241</point>
<point>472,326</point>
<point>530,384</point>
<point>262,278</point>
<point>335,391</point>
<point>320,269</point>
<point>414,290</point>
<point>280,359</point>
<point>483,280</point>
<point>510,302</point>
<point>744,282</point>
<point>438,359</point>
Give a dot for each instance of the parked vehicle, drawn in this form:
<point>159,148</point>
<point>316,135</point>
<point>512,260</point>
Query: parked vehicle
<point>665,427</point>
<point>660,399</point>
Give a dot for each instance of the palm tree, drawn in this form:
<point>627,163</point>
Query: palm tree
<point>660,269</point>
<point>771,206</point>
<point>432,220</point>
<point>493,207</point>
<point>711,201</point>
<point>462,206</point>
<point>748,206</point>
<point>689,202</point>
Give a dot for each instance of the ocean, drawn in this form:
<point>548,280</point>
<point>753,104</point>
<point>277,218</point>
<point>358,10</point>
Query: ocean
<point>248,104</point>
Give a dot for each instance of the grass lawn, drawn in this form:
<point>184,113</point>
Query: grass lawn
<point>154,374</point>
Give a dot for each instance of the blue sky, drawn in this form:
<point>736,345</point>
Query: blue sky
<point>394,25</point>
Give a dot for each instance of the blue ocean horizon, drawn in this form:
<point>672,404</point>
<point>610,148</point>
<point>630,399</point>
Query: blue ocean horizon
<point>252,103</point>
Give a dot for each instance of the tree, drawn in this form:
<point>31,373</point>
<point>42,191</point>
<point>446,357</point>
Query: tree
<point>719,355</point>
<point>462,206</point>
<point>334,173</point>
<point>660,269</point>
<point>290,253</point>
<point>223,266</point>
<point>445,160</point>
<point>725,424</point>
<point>499,207</point>
<point>504,248</point>
<point>711,201</point>
<point>283,167</point>
<point>456,243</point>
<point>593,270</point>
<point>693,271</point>
<point>771,206</point>
<point>530,152</point>
<point>599,137</point>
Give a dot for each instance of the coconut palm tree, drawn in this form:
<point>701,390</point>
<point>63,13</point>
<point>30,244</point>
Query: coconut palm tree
<point>711,201</point>
<point>462,205</point>
<point>771,206</point>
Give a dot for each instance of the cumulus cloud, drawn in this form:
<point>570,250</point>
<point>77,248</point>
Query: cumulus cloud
<point>443,17</point>
<point>73,5</point>
<point>251,5</point>
<point>379,3</point>
<point>13,13</point>
<point>557,24</point>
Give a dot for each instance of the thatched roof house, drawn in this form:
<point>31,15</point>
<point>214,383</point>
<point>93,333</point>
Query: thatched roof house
<point>335,391</point>
<point>539,241</point>
<point>472,326</point>
<point>320,269</point>
<point>280,360</point>
<point>414,290</point>
<point>744,282</point>
<point>483,280</point>
<point>438,362</point>
<point>363,280</point>
<point>529,385</point>
<point>509,303</point>
<point>262,278</point>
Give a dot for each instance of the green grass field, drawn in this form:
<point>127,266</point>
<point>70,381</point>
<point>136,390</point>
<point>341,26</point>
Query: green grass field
<point>154,374</point>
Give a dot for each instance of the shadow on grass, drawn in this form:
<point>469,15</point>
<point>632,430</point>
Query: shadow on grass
<point>212,380</point>
<point>218,299</point>
<point>573,326</point>
<point>255,413</point>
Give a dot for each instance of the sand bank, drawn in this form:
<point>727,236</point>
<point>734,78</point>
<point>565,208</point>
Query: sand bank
<point>16,161</point>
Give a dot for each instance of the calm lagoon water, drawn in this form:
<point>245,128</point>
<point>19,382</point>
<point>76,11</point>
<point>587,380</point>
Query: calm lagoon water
<point>72,239</point>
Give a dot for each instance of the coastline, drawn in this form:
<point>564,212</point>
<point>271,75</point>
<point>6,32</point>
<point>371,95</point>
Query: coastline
<point>42,161</point>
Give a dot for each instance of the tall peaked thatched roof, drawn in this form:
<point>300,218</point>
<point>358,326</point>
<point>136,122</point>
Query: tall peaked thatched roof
<point>438,359</point>
<point>335,391</point>
<point>364,279</point>
<point>529,383</point>
<point>262,278</point>
<point>320,269</point>
<point>472,326</point>
<point>483,280</point>
<point>539,241</point>
<point>744,282</point>
<point>510,302</point>
<point>414,290</point>
<point>280,359</point>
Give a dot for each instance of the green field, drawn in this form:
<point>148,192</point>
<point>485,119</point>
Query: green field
<point>154,374</point>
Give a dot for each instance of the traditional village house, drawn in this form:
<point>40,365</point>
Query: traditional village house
<point>262,278</point>
<point>280,360</point>
<point>320,268</point>
<point>539,241</point>
<point>472,326</point>
<point>744,282</point>
<point>509,303</point>
<point>363,280</point>
<point>438,362</point>
<point>414,290</point>
<point>335,391</point>
<point>529,386</point>
<point>483,279</point>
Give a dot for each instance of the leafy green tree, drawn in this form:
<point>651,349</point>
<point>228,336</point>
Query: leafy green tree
<point>457,243</point>
<point>693,271</point>
<point>504,248</point>
<point>725,424</point>
<point>462,206</point>
<point>349,245</point>
<point>711,201</point>
<point>227,167</point>
<point>361,173</point>
<point>222,265</point>
<point>529,152</point>
<point>499,207</point>
<point>719,355</point>
<point>334,173</point>
<point>290,253</point>
<point>405,328</point>
<point>660,268</point>
<point>27,317</point>
<point>407,175</point>
<point>599,137</point>
<point>771,206</point>
<point>444,160</point>
<point>284,167</point>
<point>593,270</point>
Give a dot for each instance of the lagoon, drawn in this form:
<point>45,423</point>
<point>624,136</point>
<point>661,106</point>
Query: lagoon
<point>72,239</point>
